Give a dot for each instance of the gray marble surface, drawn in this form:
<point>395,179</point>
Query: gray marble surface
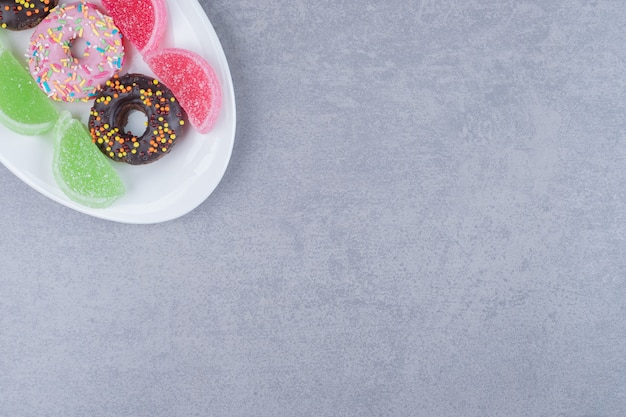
<point>424,215</point>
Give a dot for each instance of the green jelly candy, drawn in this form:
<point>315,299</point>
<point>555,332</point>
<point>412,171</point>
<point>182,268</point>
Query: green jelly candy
<point>83,173</point>
<point>24,108</point>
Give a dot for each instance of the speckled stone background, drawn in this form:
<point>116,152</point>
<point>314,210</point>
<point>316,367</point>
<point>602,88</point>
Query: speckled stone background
<point>424,215</point>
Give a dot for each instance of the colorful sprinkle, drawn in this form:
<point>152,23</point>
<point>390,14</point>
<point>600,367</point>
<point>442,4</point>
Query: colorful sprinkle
<point>24,14</point>
<point>110,111</point>
<point>52,61</point>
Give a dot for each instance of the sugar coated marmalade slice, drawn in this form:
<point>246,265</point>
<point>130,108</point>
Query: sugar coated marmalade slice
<point>81,171</point>
<point>24,108</point>
<point>193,81</point>
<point>143,22</point>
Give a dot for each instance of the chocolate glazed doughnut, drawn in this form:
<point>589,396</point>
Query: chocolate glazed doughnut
<point>24,14</point>
<point>109,116</point>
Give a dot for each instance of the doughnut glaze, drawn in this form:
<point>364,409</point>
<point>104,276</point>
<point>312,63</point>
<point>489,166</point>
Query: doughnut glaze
<point>24,14</point>
<point>111,109</point>
<point>52,61</point>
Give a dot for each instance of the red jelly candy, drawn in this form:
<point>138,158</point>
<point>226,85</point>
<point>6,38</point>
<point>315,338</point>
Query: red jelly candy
<point>192,80</point>
<point>142,22</point>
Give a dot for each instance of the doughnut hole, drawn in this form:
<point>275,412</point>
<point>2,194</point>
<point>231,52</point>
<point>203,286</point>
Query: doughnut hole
<point>133,120</point>
<point>79,48</point>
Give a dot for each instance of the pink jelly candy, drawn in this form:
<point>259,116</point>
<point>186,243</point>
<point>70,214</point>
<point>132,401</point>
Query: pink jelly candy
<point>192,80</point>
<point>142,22</point>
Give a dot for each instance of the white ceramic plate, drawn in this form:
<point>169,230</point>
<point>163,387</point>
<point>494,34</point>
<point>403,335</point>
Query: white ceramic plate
<point>168,188</point>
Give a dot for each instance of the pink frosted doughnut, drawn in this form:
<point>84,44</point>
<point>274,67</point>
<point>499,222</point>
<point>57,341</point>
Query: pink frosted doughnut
<point>60,74</point>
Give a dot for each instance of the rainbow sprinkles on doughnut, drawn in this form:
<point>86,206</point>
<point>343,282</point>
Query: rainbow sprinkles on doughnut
<point>109,115</point>
<point>63,74</point>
